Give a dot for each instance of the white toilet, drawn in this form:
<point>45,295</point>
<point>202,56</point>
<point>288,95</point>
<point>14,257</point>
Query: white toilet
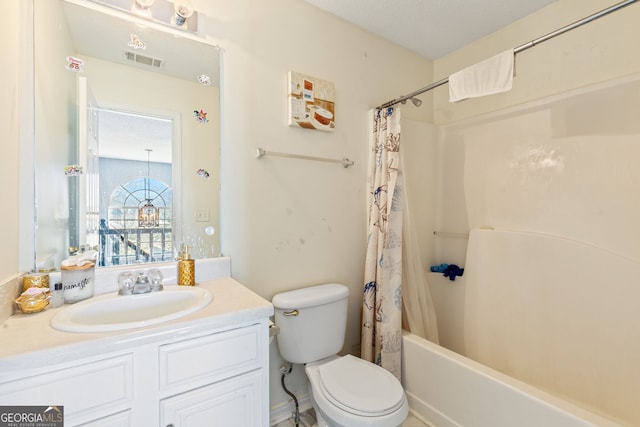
<point>345,391</point>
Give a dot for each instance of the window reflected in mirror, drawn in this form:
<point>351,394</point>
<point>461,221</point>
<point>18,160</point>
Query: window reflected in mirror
<point>135,197</point>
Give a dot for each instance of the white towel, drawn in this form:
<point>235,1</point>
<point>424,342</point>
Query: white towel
<point>493,75</point>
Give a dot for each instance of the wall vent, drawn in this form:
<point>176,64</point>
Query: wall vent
<point>145,60</point>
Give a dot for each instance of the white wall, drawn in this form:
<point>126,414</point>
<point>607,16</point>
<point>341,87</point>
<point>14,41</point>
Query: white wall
<point>10,102</point>
<point>9,129</point>
<point>291,223</point>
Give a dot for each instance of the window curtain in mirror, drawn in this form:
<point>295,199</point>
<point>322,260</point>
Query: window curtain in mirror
<point>381,337</point>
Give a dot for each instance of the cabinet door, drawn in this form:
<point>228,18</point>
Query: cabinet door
<point>236,402</point>
<point>89,390</point>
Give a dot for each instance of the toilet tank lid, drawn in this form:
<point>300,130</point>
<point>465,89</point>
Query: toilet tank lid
<point>311,296</point>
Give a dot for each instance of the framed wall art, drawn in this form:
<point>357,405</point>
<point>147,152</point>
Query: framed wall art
<point>311,102</point>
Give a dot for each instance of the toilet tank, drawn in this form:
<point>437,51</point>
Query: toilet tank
<point>312,322</point>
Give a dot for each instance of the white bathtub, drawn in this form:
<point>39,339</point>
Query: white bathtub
<point>447,390</point>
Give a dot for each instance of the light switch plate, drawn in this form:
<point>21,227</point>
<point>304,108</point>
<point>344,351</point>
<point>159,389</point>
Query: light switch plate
<point>202,215</point>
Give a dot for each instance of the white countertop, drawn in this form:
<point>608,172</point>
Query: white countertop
<point>29,341</point>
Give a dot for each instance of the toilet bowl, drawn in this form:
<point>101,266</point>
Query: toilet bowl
<point>344,391</point>
<point>351,392</point>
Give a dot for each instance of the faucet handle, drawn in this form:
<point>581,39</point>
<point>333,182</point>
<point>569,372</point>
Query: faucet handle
<point>156,280</point>
<point>125,283</point>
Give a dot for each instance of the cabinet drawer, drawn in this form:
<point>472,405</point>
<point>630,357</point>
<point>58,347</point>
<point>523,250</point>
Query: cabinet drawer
<point>210,358</point>
<point>236,402</point>
<point>86,390</point>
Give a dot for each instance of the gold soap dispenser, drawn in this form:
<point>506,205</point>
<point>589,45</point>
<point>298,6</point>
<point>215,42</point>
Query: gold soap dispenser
<point>186,268</point>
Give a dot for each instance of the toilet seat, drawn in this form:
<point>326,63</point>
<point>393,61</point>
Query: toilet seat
<point>347,382</point>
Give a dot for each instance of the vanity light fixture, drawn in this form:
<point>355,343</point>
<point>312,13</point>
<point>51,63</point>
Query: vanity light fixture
<point>184,10</point>
<point>148,215</point>
<point>178,14</point>
<point>142,7</point>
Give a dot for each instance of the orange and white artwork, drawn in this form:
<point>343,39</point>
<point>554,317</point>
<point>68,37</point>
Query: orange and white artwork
<point>311,102</point>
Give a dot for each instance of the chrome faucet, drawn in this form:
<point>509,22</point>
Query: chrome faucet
<point>142,285</point>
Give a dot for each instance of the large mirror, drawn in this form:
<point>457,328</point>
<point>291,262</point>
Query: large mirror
<point>127,137</point>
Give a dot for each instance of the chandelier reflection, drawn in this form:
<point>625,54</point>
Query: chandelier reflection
<point>148,215</point>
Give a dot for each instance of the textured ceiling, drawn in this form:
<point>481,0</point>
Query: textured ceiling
<point>431,28</point>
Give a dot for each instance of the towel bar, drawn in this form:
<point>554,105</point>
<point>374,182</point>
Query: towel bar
<point>260,152</point>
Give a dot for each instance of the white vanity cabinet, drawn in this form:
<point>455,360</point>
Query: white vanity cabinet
<point>200,380</point>
<point>210,369</point>
<point>227,368</point>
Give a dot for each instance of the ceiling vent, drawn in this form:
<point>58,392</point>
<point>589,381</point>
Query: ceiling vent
<point>145,60</point>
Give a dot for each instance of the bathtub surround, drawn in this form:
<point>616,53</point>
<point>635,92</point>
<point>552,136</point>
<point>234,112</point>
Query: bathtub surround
<point>557,318</point>
<point>541,166</point>
<point>548,295</point>
<point>569,158</point>
<point>451,390</point>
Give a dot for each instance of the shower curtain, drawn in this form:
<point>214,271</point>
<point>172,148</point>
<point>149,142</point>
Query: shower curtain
<point>393,266</point>
<point>381,308</point>
<point>418,311</point>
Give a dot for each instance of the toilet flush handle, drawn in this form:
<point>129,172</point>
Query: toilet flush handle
<point>291,313</point>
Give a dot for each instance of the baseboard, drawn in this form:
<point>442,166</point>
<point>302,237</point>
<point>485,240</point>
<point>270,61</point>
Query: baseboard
<point>284,411</point>
<point>427,413</point>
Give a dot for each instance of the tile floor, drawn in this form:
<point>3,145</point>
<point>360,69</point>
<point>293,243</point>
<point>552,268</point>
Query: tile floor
<point>308,418</point>
<point>412,421</point>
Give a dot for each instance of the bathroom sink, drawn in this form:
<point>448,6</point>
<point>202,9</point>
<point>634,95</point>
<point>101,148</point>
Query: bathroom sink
<point>113,312</point>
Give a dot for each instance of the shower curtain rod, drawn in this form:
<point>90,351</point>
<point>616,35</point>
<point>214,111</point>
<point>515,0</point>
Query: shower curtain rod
<point>519,49</point>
